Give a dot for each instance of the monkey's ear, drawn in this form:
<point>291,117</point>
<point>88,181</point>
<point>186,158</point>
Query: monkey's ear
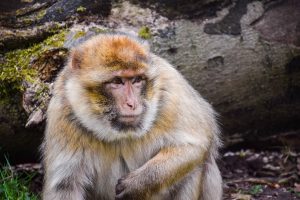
<point>75,59</point>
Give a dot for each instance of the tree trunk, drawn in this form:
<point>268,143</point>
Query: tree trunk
<point>246,62</point>
<point>27,22</point>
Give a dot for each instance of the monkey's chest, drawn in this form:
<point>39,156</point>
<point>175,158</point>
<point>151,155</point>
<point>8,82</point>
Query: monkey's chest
<point>110,169</point>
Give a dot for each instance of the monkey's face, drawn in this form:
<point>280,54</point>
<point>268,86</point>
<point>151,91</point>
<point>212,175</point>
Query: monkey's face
<point>111,87</point>
<point>127,90</point>
<point>113,105</point>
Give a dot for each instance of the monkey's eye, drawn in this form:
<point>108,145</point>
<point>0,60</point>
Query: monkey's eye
<point>138,79</point>
<point>117,80</point>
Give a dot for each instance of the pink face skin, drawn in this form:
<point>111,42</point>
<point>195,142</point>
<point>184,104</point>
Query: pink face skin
<point>126,88</point>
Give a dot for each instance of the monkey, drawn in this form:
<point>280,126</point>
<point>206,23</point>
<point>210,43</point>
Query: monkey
<point>123,123</point>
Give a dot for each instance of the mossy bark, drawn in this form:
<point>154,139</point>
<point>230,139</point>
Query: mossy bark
<point>27,22</point>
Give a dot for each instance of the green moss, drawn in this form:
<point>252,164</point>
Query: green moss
<point>23,10</point>
<point>40,14</point>
<point>97,30</point>
<point>60,10</point>
<point>27,20</point>
<point>56,40</point>
<point>145,33</point>
<point>56,28</point>
<point>79,34</point>
<point>81,9</point>
<point>43,88</point>
<point>19,12</point>
<point>16,67</point>
<point>30,19</point>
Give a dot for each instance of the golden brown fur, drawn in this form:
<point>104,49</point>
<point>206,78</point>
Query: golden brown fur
<point>171,156</point>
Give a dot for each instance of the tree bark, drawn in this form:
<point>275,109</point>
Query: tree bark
<point>245,61</point>
<point>27,22</point>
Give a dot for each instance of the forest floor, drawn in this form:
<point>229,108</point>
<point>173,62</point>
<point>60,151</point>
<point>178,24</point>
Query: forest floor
<point>261,175</point>
<point>247,175</point>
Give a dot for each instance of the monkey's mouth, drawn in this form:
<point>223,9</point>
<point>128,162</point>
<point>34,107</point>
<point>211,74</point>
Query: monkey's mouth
<point>127,123</point>
<point>130,119</point>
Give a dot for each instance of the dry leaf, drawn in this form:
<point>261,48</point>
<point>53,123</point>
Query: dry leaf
<point>297,187</point>
<point>238,196</point>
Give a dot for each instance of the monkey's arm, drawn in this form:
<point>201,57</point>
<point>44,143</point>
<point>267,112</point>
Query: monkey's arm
<point>66,177</point>
<point>167,167</point>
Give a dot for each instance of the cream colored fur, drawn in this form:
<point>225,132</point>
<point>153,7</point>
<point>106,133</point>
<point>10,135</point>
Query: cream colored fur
<point>171,157</point>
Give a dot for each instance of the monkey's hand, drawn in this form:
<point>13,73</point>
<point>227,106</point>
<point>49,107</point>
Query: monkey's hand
<point>166,168</point>
<point>128,188</point>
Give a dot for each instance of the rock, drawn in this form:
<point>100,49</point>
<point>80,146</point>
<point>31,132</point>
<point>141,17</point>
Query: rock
<point>286,26</point>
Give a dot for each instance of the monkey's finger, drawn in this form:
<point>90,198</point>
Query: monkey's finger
<point>121,179</point>
<point>119,188</point>
<point>122,196</point>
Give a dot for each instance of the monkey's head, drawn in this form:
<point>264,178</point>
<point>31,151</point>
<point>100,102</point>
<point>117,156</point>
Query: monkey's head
<point>110,87</point>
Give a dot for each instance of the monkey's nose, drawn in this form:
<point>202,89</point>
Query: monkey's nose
<point>131,105</point>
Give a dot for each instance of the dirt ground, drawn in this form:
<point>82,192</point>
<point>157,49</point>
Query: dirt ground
<point>261,175</point>
<point>247,175</point>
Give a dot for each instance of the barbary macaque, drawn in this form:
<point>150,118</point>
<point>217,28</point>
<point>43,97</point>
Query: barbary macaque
<point>124,124</point>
